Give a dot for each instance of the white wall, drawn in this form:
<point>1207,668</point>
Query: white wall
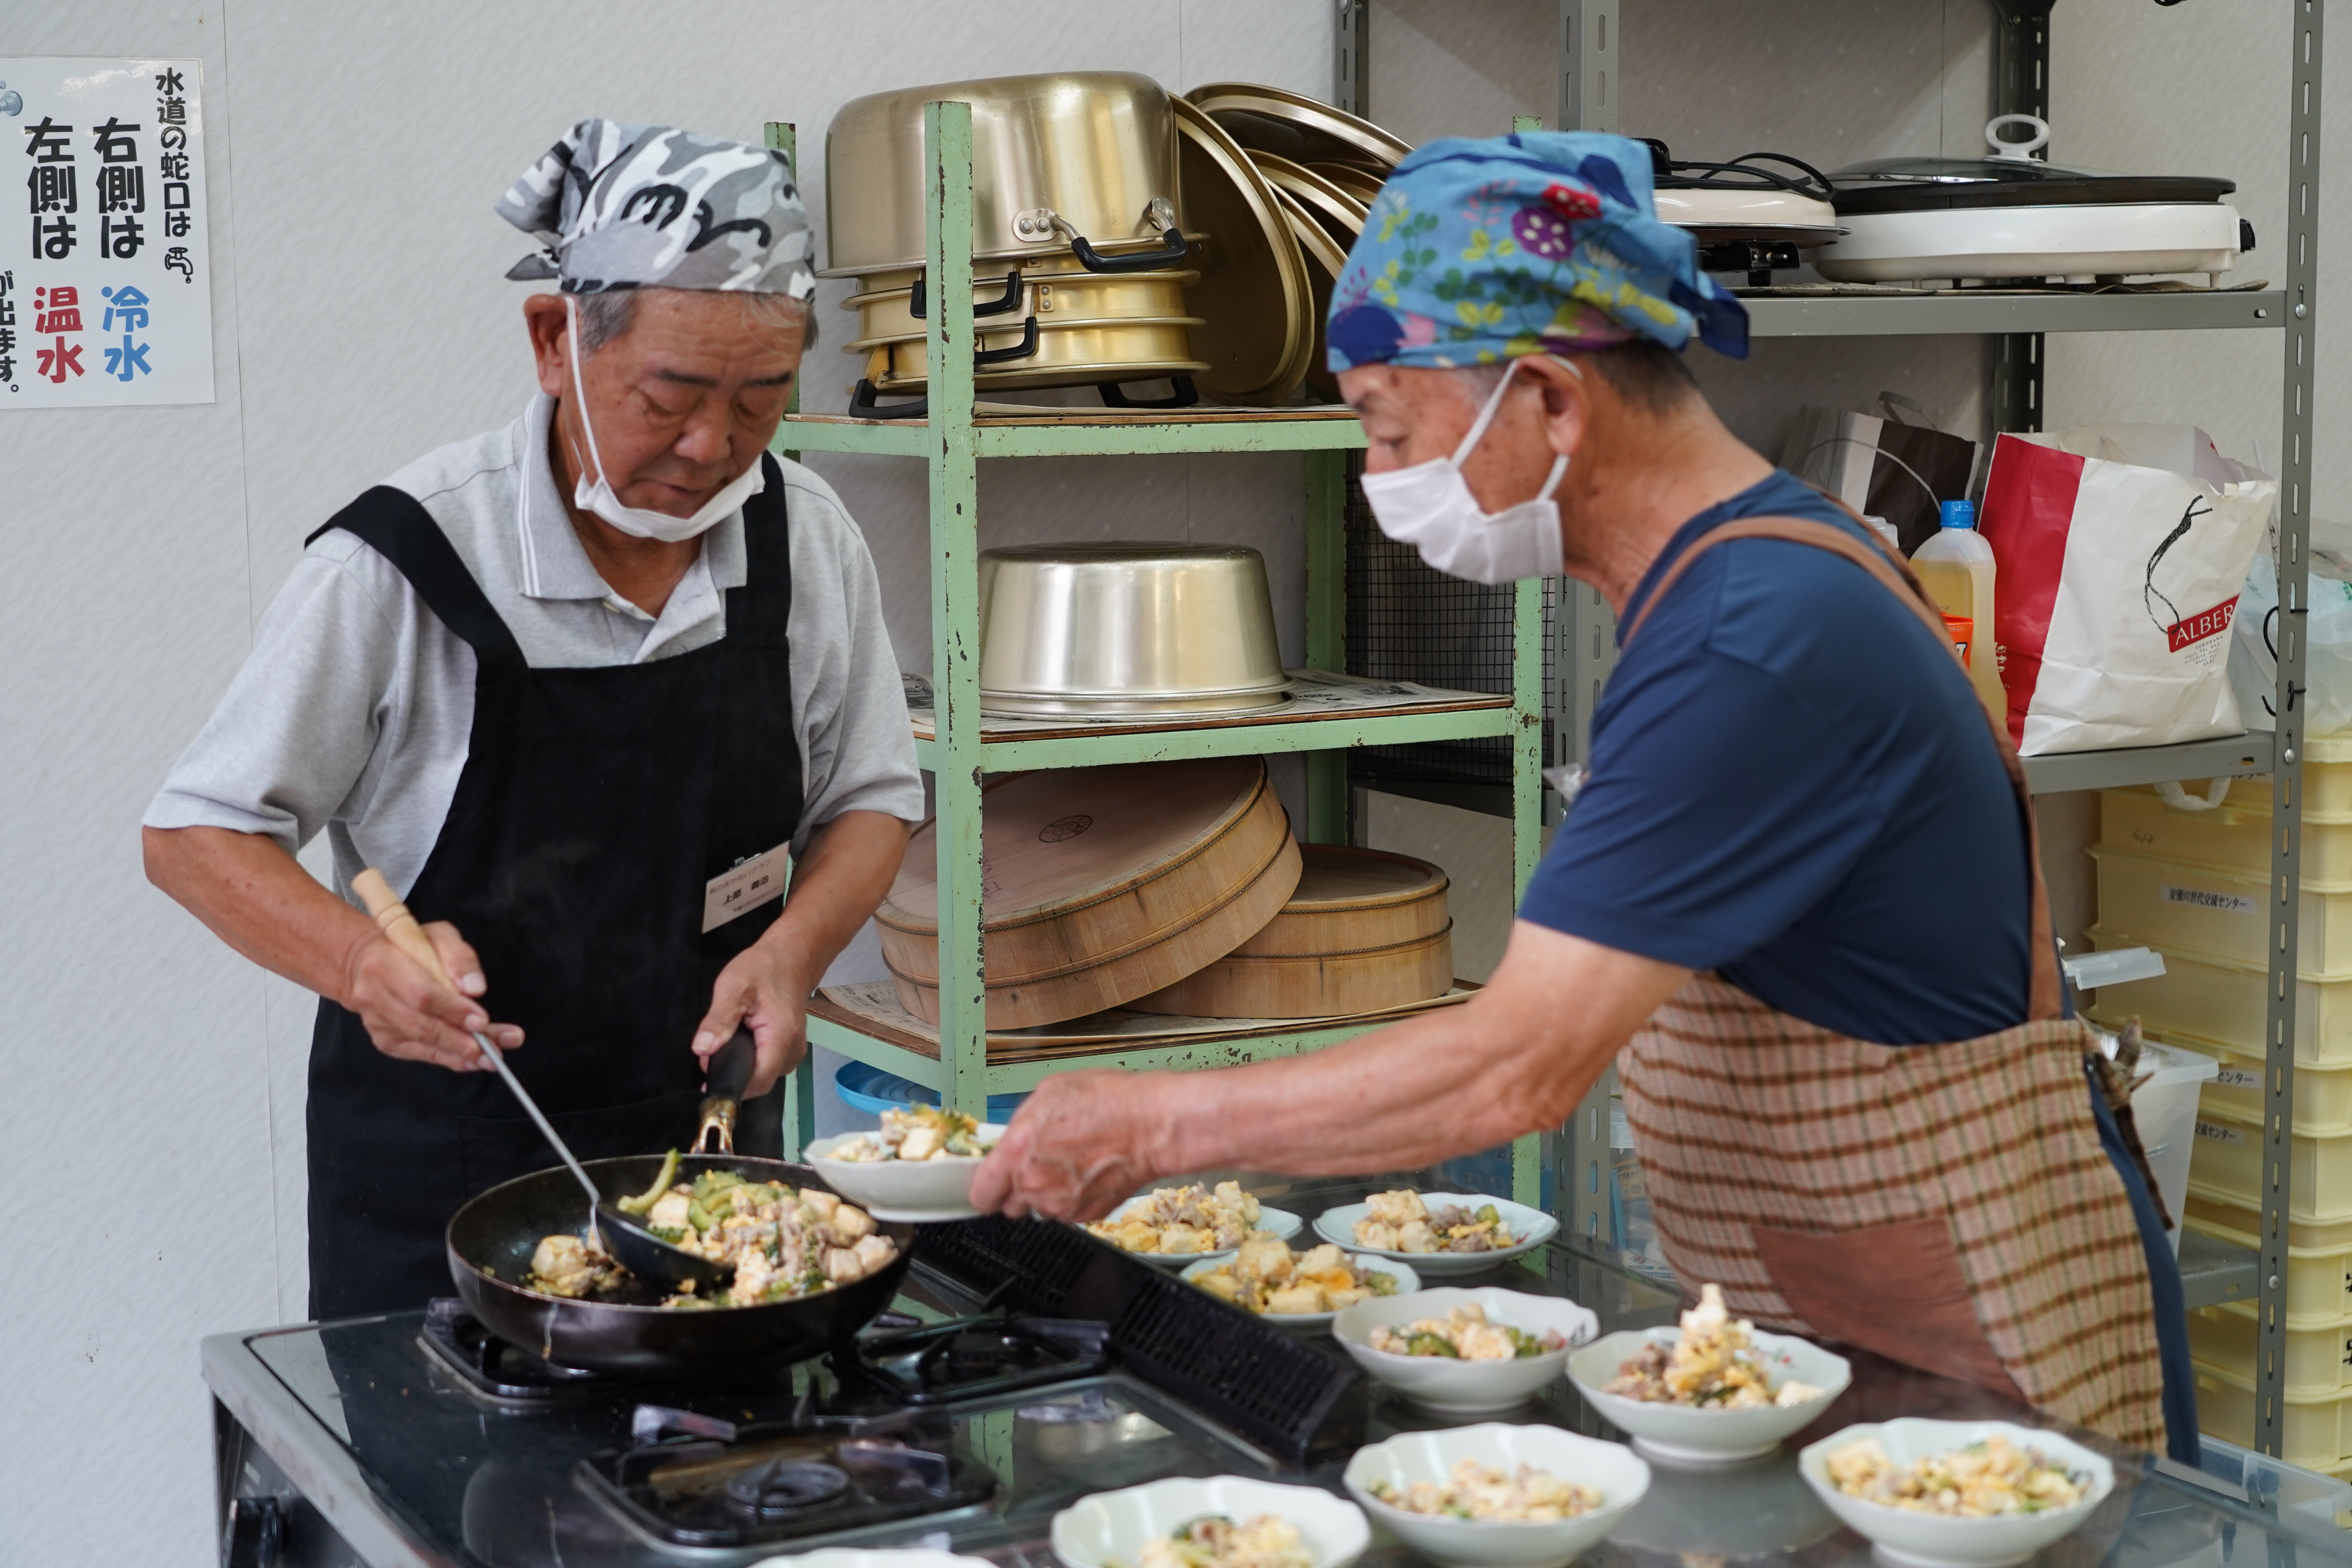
<point>361,319</point>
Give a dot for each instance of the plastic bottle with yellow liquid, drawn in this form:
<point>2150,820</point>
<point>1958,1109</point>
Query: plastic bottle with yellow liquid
<point>1955,567</point>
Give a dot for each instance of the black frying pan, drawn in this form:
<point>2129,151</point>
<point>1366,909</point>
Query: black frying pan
<point>491,1239</point>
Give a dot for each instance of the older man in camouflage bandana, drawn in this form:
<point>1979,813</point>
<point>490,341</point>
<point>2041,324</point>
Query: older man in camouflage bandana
<point>577,687</point>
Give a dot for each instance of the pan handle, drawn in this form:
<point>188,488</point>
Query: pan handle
<point>730,1074</point>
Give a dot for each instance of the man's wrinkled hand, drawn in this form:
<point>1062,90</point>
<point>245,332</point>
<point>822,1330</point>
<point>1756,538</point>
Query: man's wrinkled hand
<point>410,1015</point>
<point>763,987</point>
<point>1083,1143</point>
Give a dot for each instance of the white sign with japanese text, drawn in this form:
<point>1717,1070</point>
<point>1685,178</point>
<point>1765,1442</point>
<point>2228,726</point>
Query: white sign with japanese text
<point>105,277</point>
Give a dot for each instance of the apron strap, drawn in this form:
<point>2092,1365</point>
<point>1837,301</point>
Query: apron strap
<point>759,614</point>
<point>2044,998</point>
<point>395,525</point>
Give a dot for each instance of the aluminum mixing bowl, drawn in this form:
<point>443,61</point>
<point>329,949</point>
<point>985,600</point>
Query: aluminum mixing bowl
<point>1124,629</point>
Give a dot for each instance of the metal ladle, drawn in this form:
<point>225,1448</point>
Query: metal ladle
<point>616,1235</point>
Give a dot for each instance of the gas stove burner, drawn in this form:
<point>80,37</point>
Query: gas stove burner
<point>774,1481</point>
<point>782,1487</point>
<point>973,1358</point>
<point>498,1370</point>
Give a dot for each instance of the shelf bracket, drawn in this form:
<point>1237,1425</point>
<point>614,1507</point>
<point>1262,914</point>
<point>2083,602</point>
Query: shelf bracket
<point>2302,299</point>
<point>1588,65</point>
<point>1350,70</point>
<point>2020,85</point>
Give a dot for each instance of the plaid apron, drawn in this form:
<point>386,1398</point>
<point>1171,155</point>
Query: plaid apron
<point>1950,1207</point>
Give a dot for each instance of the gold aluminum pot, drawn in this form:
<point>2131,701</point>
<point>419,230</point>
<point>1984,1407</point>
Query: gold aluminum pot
<point>1136,630</point>
<point>1092,327</point>
<point>1094,149</point>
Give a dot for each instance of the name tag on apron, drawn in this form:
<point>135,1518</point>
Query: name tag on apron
<point>745,885</point>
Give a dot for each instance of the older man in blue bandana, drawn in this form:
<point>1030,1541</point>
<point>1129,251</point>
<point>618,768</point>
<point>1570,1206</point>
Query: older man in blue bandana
<point>580,688</point>
<point>1798,898</point>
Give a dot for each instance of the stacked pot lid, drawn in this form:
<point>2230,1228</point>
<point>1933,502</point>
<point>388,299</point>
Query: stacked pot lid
<point>1323,166</point>
<point>1173,888</point>
<point>2012,215</point>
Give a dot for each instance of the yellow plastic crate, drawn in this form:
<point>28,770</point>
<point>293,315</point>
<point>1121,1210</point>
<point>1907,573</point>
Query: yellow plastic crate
<point>2323,1096</point>
<point>2227,1164</point>
<point>2318,1259</point>
<point>2318,1361</point>
<point>2317,1429</point>
<point>2225,913</point>
<point>2216,1004</point>
<point>2235,836</point>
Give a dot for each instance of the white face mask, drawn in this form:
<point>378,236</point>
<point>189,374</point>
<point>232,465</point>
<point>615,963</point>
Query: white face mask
<point>1428,506</point>
<point>636,520</point>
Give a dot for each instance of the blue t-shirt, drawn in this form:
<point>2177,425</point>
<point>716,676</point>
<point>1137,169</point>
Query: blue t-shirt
<point>1791,784</point>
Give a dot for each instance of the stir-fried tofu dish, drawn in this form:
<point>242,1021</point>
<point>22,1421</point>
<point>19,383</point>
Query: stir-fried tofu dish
<point>781,1244</point>
<point>1265,1275</point>
<point>1215,1541</point>
<point>1713,1364</point>
<point>926,1133</point>
<point>1464,1334</point>
<point>1177,1220</point>
<point>1401,1222</point>
<point>1982,1480</point>
<point>1475,1492</point>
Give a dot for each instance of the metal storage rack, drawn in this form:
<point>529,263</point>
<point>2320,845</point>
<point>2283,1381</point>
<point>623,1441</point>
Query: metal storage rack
<point>949,443</point>
<point>1588,38</point>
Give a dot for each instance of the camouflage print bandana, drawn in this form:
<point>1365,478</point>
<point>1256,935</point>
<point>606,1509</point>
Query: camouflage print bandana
<point>639,207</point>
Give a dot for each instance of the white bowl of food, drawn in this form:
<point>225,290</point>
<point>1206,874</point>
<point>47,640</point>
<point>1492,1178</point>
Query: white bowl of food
<point>1534,1497</point>
<point>1439,1234</point>
<point>1299,1289</point>
<point>915,1167</point>
<point>1955,1494</point>
<point>1717,1390</point>
<point>1499,1347</point>
<point>1268,1525</point>
<point>889,1557</point>
<point>1173,1226</point>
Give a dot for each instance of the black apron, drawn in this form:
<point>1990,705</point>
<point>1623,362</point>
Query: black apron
<point>594,805</point>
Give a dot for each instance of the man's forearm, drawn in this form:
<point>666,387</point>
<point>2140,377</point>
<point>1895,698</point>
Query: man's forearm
<point>837,884</point>
<point>257,899</point>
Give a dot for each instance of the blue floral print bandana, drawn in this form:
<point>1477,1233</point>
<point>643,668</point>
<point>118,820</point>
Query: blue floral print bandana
<point>1476,252</point>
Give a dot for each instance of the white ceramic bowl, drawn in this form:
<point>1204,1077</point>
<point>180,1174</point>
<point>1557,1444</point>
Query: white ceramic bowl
<point>1532,1227</point>
<point>1610,1469</point>
<point>1281,1222</point>
<point>1094,1530</point>
<point>1688,1435</point>
<point>895,1557</point>
<point>913,1190</point>
<point>1464,1387</point>
<point>1934,1541</point>
<point>1407,1282</point>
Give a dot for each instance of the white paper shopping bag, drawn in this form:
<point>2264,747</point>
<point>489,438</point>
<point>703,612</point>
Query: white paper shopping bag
<point>2120,552</point>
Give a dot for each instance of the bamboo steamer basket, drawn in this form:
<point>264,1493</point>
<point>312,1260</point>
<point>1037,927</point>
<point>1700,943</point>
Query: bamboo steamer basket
<point>1363,930</point>
<point>1100,885</point>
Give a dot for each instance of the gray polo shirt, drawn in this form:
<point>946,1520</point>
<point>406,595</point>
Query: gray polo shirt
<point>354,711</point>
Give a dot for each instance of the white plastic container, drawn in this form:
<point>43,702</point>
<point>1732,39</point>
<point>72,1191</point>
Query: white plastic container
<point>2318,1259</point>
<point>1955,567</point>
<point>2227,1167</point>
<point>2164,1108</point>
<point>2207,1000</point>
<point>2225,913</point>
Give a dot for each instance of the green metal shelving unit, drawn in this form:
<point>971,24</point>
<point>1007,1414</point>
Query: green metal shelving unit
<point>950,443</point>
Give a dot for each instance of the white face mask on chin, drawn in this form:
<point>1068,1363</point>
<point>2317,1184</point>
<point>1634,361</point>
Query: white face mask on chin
<point>1428,506</point>
<point>638,521</point>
